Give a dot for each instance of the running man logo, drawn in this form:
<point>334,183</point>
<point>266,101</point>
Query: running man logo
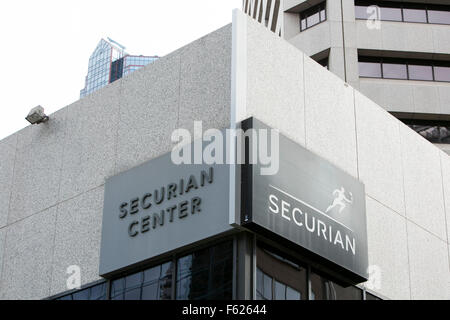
<point>340,200</point>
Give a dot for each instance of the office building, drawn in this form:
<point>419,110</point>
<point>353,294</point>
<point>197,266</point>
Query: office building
<point>395,52</point>
<point>357,207</point>
<point>110,62</point>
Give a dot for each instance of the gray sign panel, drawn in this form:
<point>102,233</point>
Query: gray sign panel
<point>310,203</point>
<point>158,207</point>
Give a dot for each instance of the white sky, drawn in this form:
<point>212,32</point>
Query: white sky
<point>45,44</point>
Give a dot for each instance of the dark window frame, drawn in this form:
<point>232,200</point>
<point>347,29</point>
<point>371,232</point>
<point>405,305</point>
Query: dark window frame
<point>407,62</point>
<point>277,249</point>
<point>172,258</point>
<point>405,5</point>
<point>316,9</point>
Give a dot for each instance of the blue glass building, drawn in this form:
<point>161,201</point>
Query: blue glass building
<point>108,63</point>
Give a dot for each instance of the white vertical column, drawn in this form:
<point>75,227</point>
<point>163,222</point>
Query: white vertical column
<point>238,104</point>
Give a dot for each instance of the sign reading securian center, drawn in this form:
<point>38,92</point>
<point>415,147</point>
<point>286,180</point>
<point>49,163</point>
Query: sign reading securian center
<point>310,203</point>
<point>159,207</point>
<point>158,202</point>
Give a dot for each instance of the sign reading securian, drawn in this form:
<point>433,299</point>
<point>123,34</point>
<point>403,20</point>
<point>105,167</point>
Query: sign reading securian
<point>310,203</point>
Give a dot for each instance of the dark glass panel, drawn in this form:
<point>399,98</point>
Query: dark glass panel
<point>152,274</point>
<point>442,73</point>
<point>98,292</point>
<point>184,277</point>
<point>199,274</point>
<point>418,72</point>
<point>323,62</point>
<point>133,281</point>
<point>391,14</point>
<point>222,272</point>
<point>324,289</point>
<point>117,288</point>
<point>206,274</point>
<point>81,295</point>
<point>280,291</point>
<point>440,17</point>
<point>150,291</point>
<point>150,285</point>
<point>133,294</point>
<point>349,293</point>
<point>292,294</point>
<point>370,69</point>
<point>259,284</point>
<point>415,15</point>
<point>277,273</point>
<point>394,71</point>
<point>267,282</point>
<point>434,134</point>
<point>165,282</point>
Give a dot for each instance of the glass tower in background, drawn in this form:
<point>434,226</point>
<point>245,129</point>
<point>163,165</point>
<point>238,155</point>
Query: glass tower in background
<point>108,63</point>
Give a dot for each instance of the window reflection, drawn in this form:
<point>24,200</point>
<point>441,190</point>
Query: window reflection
<point>206,274</point>
<point>324,289</point>
<point>152,284</point>
<point>279,278</point>
<point>434,134</point>
<point>96,292</point>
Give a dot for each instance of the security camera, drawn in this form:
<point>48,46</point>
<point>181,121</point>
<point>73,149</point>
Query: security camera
<point>37,116</point>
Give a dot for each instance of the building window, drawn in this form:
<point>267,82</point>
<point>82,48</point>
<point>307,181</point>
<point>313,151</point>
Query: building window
<point>415,15</point>
<point>325,289</point>
<point>434,134</point>
<point>206,274</point>
<point>282,278</point>
<point>404,69</point>
<point>419,72</point>
<point>369,69</point>
<point>404,12</point>
<point>324,63</point>
<point>394,71</point>
<point>279,278</point>
<point>442,73</point>
<point>391,14</point>
<point>152,284</point>
<point>313,16</point>
<point>202,275</point>
<point>95,292</point>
